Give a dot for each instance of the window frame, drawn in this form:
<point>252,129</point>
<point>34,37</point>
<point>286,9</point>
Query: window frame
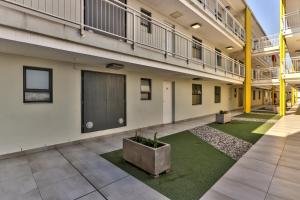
<point>197,48</point>
<point>146,18</point>
<point>50,90</point>
<point>218,100</point>
<point>200,103</point>
<point>218,53</point>
<point>149,93</point>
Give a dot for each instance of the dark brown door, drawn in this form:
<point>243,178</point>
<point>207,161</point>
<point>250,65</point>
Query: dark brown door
<point>103,101</point>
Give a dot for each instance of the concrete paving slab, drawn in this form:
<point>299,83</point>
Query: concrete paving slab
<point>238,191</point>
<point>289,162</point>
<point>257,165</point>
<point>213,195</point>
<point>53,175</point>
<point>249,177</point>
<point>92,196</point>
<point>31,195</point>
<point>130,188</point>
<point>288,174</point>
<point>14,171</point>
<point>68,189</point>
<point>18,186</point>
<point>285,189</point>
<point>272,159</point>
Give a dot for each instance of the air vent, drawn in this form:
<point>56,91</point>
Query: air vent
<point>176,14</point>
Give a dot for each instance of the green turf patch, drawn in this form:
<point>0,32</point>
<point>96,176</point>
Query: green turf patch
<point>259,115</point>
<point>196,166</point>
<point>245,130</point>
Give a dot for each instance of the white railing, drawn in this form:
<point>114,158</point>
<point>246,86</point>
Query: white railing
<point>217,10</point>
<point>291,20</point>
<point>265,73</point>
<point>269,41</point>
<point>117,20</point>
<point>292,65</point>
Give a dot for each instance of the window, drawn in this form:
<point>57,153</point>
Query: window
<point>253,94</point>
<point>218,57</point>
<point>145,89</point>
<point>197,48</point>
<point>196,94</point>
<point>146,20</point>
<point>259,95</point>
<point>217,94</point>
<point>37,83</point>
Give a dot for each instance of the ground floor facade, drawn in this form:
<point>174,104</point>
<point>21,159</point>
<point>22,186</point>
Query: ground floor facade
<point>68,108</point>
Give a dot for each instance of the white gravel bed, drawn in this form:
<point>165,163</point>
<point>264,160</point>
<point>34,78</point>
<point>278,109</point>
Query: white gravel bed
<point>230,145</point>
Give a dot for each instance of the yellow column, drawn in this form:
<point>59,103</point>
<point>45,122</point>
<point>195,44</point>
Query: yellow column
<point>282,60</point>
<point>248,57</point>
<point>293,96</point>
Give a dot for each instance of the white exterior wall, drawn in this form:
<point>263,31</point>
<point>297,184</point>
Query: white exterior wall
<point>137,5</point>
<point>33,125</point>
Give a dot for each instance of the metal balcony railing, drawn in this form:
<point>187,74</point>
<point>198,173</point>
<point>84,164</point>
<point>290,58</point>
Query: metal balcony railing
<point>291,20</point>
<point>292,65</point>
<point>119,21</point>
<point>265,73</point>
<point>221,14</point>
<point>269,41</point>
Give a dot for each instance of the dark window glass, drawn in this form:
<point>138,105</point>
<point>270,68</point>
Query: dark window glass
<point>253,94</point>
<point>37,83</point>
<point>196,94</point>
<point>146,89</point>
<point>146,20</point>
<point>197,48</point>
<point>218,57</point>
<point>259,95</point>
<point>217,94</point>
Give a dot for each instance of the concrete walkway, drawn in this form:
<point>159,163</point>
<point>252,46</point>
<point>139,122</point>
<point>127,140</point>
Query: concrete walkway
<point>77,172</point>
<point>270,170</point>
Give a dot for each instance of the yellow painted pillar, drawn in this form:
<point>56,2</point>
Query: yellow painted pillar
<point>282,95</point>
<point>248,57</point>
<point>293,96</point>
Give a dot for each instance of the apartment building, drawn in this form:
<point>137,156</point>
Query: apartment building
<point>75,69</point>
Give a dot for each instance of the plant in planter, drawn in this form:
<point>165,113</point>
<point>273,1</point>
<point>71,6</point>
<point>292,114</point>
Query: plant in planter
<point>152,156</point>
<point>223,117</point>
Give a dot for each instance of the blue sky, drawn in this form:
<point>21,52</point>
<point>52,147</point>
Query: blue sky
<point>267,13</point>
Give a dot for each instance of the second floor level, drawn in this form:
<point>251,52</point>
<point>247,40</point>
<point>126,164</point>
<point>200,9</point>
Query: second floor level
<point>140,28</point>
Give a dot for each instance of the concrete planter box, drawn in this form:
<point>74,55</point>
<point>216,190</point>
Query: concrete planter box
<point>223,118</point>
<point>152,160</point>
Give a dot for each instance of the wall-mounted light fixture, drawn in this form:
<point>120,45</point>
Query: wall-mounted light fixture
<point>115,66</point>
<point>196,26</point>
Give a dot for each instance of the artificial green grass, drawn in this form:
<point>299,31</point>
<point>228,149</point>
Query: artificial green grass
<point>245,130</point>
<point>260,115</point>
<point>196,166</point>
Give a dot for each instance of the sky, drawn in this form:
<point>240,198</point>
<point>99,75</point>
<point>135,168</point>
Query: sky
<point>267,13</point>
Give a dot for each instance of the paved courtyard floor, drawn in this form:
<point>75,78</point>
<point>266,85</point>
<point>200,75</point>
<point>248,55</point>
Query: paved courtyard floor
<point>77,172</point>
<point>270,170</point>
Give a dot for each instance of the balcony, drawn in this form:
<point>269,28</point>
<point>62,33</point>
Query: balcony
<point>266,45</point>
<point>291,22</point>
<point>292,70</point>
<point>218,12</point>
<point>265,76</point>
<point>117,21</point>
